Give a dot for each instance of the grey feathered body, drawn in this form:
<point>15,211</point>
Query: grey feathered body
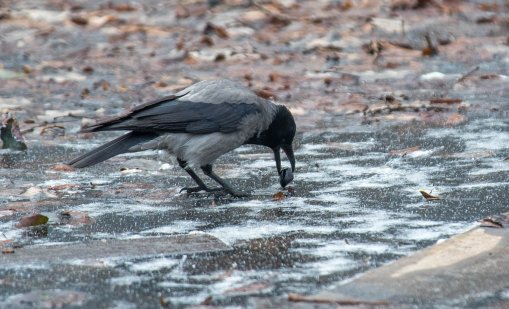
<point>202,149</point>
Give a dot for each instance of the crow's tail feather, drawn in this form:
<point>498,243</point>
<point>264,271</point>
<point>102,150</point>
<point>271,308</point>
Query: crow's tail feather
<point>111,149</point>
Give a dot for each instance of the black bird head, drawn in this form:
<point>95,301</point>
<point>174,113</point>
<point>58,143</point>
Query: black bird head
<point>279,135</point>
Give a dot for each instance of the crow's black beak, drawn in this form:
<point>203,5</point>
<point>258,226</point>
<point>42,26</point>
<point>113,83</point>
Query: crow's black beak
<point>289,154</point>
<point>285,175</point>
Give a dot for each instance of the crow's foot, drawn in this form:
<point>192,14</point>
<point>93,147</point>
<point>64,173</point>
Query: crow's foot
<point>190,190</point>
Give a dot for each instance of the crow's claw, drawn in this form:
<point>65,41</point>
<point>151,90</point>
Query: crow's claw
<point>190,190</point>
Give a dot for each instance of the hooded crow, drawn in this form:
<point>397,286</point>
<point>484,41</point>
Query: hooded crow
<point>198,125</point>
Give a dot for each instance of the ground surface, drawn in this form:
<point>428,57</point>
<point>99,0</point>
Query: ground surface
<point>381,114</point>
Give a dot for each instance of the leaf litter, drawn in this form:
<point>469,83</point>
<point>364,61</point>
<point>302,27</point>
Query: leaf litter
<point>348,67</point>
<point>429,196</point>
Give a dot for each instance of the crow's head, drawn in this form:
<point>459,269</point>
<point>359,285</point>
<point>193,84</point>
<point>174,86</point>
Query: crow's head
<point>279,136</point>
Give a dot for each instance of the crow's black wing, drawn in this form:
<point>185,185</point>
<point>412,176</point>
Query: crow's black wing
<point>103,124</point>
<point>180,116</point>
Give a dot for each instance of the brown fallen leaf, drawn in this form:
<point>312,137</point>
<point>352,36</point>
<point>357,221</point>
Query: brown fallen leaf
<point>445,101</point>
<point>218,30</point>
<point>279,196</point>
<point>274,77</point>
<point>181,12</point>
<point>207,40</point>
<point>488,222</point>
<point>443,119</point>
<point>430,50</point>
<point>490,76</point>
<point>88,70</point>
<point>79,20</point>
<point>207,301</point>
<point>27,69</point>
<point>498,221</point>
<point>32,220</point>
<point>455,119</point>
<point>122,7</point>
<point>266,94</point>
<point>8,250</point>
<point>428,196</point>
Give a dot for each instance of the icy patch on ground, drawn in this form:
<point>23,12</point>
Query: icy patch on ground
<point>98,209</point>
<point>257,229</point>
<point>154,265</point>
<point>176,227</point>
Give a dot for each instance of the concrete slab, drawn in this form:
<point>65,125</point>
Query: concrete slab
<point>454,272</point>
<point>112,248</point>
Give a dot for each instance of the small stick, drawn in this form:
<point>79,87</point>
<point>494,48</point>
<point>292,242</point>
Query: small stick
<point>464,76</point>
<point>445,101</point>
<point>342,302</point>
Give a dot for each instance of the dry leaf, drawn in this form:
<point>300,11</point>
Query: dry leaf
<point>79,20</point>
<point>266,94</point>
<point>498,221</point>
<point>445,101</point>
<point>279,196</point>
<point>488,222</point>
<point>428,196</point>
<point>207,301</point>
<point>219,31</point>
<point>181,12</point>
<point>455,119</point>
<point>32,220</point>
<point>122,7</point>
<point>8,250</point>
<point>88,70</point>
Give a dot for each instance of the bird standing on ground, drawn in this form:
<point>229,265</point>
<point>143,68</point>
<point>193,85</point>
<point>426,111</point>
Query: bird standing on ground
<point>198,125</point>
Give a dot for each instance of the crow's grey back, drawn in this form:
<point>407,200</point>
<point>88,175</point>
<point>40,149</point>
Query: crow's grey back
<point>217,92</point>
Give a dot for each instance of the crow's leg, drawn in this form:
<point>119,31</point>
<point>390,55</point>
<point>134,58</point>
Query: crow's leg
<point>207,169</point>
<point>201,185</point>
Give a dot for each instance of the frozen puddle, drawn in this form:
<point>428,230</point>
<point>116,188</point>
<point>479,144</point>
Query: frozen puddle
<point>356,206</point>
